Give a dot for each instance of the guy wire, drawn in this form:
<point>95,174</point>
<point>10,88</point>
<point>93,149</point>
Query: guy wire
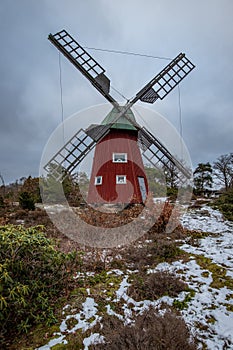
<point>61,99</point>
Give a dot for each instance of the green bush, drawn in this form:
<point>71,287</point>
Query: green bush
<point>225,204</point>
<point>26,201</point>
<point>33,275</point>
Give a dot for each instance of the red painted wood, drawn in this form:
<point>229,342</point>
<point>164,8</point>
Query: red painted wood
<point>117,141</point>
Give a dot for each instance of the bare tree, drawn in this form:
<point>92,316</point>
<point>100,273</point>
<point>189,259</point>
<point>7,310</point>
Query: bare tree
<point>2,185</point>
<point>223,170</point>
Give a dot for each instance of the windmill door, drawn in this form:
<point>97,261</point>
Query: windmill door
<point>142,186</point>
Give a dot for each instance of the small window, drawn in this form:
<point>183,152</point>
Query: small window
<point>98,180</point>
<point>121,179</point>
<point>119,157</point>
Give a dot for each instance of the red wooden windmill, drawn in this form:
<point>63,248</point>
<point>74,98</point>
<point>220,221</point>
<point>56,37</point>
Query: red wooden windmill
<point>118,174</point>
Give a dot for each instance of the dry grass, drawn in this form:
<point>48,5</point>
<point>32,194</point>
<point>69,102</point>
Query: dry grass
<point>110,219</point>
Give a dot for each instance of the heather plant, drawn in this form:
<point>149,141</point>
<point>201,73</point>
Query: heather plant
<point>160,250</point>
<point>33,275</point>
<point>150,330</point>
<point>156,285</point>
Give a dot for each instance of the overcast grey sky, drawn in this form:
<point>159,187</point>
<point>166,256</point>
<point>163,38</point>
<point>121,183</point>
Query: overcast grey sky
<point>29,77</point>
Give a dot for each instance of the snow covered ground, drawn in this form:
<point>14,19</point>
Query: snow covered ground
<point>211,307</point>
<point>208,272</point>
<point>218,247</point>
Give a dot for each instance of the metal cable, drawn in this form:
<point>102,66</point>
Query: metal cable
<point>180,122</point>
<point>61,99</point>
<point>128,53</point>
<point>180,112</point>
<point>140,115</point>
<point>119,93</point>
<point>61,91</point>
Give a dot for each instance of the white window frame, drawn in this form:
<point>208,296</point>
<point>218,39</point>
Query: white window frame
<point>97,183</point>
<point>118,182</point>
<point>119,154</point>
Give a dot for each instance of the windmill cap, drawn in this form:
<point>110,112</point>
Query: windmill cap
<point>122,122</point>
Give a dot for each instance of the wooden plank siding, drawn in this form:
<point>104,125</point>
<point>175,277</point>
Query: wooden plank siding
<point>117,141</point>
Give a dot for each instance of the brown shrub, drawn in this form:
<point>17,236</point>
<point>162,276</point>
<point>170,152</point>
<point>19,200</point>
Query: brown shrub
<point>138,257</point>
<point>155,285</point>
<point>110,219</point>
<point>38,217</point>
<point>164,211</point>
<point>164,249</point>
<point>150,331</point>
<point>19,214</point>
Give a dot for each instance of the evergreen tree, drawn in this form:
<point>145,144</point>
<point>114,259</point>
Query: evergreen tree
<point>26,200</point>
<point>203,178</point>
<point>31,185</point>
<point>171,173</point>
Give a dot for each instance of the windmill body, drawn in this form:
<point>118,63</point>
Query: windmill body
<point>118,174</point>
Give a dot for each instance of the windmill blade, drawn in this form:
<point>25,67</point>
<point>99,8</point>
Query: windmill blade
<point>157,154</point>
<point>74,151</point>
<point>85,63</point>
<point>165,81</point>
<point>70,155</point>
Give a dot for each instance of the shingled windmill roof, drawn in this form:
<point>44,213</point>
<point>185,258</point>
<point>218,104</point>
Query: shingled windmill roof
<point>122,122</point>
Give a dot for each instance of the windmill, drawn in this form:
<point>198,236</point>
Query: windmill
<point>118,174</point>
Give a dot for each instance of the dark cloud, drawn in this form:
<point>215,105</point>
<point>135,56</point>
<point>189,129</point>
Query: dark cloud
<point>29,70</point>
